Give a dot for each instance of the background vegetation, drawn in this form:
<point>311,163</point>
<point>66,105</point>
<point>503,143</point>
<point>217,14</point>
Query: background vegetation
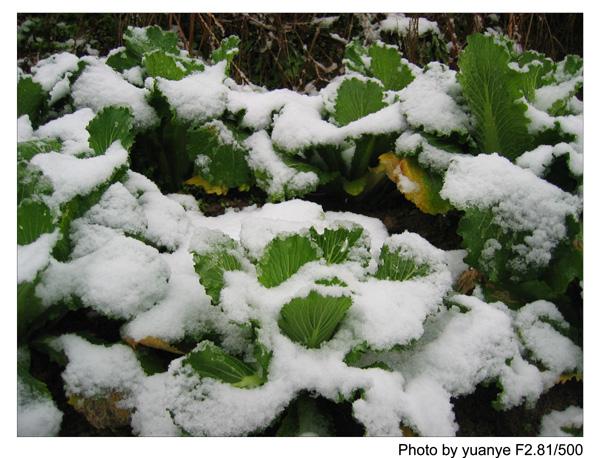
<point>302,47</point>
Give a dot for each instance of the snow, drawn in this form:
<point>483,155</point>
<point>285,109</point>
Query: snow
<point>460,350</point>
<point>299,126</point>
<point>258,107</point>
<point>167,223</point>
<point>385,121</point>
<point>120,278</point>
<point>137,184</point>
<point>48,72</point>
<point>150,417</point>
<point>71,176</point>
<point>553,423</point>
<point>187,201</point>
<point>199,96</point>
<point>60,90</point>
<point>100,86</point>
<point>219,409</point>
<point>134,75</point>
<point>519,200</point>
<point>37,415</point>
<point>455,263</point>
<point>182,311</point>
<point>387,313</point>
<point>24,129</point>
<point>540,159</point>
<point>428,102</point>
<point>96,370</point>
<point>278,177</point>
<point>118,209</point>
<point>34,257</point>
<point>71,129</point>
<point>324,22</point>
<point>547,345</point>
<point>400,24</point>
<point>546,96</point>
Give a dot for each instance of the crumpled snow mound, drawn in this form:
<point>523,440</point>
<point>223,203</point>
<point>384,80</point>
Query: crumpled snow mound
<point>433,349</point>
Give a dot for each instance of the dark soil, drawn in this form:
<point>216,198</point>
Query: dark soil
<point>476,416</point>
<point>398,215</point>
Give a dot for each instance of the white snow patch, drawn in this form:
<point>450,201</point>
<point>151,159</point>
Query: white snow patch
<point>97,370</point>
<point>71,176</point>
<point>259,107</point>
<point>428,102</point>
<point>554,423</point>
<point>37,415</point>
<point>71,129</point>
<point>24,129</point>
<point>519,200</point>
<point>199,96</point>
<point>47,72</point>
<point>100,86</point>
<point>263,158</point>
<point>34,257</point>
<point>400,24</point>
<point>121,279</point>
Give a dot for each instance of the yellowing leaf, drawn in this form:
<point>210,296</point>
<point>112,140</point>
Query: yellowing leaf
<point>208,188</point>
<point>154,342</point>
<point>564,378</point>
<point>417,184</point>
<point>408,432</point>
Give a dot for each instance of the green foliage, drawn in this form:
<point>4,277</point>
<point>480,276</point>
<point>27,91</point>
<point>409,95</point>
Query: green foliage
<point>208,360</point>
<point>394,265</point>
<point>387,67</point>
<point>141,41</point>
<point>304,417</point>
<point>368,148</point>
<point>228,49</point>
<point>356,99</point>
<point>490,250</point>
<point>380,61</point>
<point>109,125</point>
<point>29,308</point>
<point>31,387</point>
<point>160,64</point>
<point>492,92</point>
<point>26,150</point>
<point>33,219</point>
<point>31,182</point>
<point>354,57</point>
<point>476,227</point>
<point>283,257</point>
<point>122,60</point>
<point>31,100</point>
<point>212,265</point>
<point>572,64</point>
<point>336,243</point>
<point>536,71</point>
<point>219,158</point>
<point>313,319</point>
<point>74,209</point>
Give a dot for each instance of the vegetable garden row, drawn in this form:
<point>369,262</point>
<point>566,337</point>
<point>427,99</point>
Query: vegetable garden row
<point>244,323</point>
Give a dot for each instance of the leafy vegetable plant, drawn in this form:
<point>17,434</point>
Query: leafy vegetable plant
<point>236,324</point>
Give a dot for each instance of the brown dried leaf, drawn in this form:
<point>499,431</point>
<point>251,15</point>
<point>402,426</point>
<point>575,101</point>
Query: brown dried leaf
<point>102,413</point>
